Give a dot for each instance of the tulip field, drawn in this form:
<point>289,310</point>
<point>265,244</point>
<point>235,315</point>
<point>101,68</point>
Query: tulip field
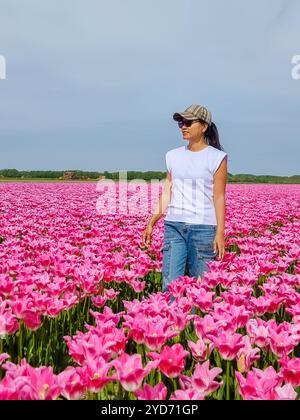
<point>82,314</point>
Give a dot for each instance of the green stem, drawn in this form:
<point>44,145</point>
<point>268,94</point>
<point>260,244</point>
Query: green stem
<point>20,352</point>
<point>158,376</point>
<point>174,382</point>
<point>228,380</point>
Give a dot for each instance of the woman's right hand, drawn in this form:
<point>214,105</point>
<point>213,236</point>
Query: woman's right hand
<point>147,235</point>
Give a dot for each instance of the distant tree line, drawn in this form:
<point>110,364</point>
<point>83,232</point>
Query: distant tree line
<point>147,176</point>
<point>14,173</point>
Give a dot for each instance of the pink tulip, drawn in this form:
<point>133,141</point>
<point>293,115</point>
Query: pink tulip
<point>138,286</point>
<point>227,280</point>
<point>6,285</point>
<point>95,374</point>
<point>156,332</point>
<point>282,343</point>
<point>8,392</point>
<point>24,310</point>
<point>45,260</point>
<point>181,304</point>
<point>258,385</point>
<point>54,308</point>
<point>201,298</point>
<point>130,372</point>
<point>4,357</point>
<point>206,326</point>
<point>72,383</point>
<point>228,344</point>
<point>246,356</point>
<point>235,317</point>
<point>28,383</point>
<point>259,333</point>
<point>188,394</point>
<point>180,317</point>
<point>84,347</point>
<point>152,331</point>
<point>238,295</point>
<point>158,392</point>
<point>111,294</point>
<point>8,323</point>
<point>99,301</point>
<point>178,288</point>
<point>285,393</point>
<point>275,303</point>
<point>119,342</point>
<point>290,370</point>
<point>200,351</point>
<point>202,379</point>
<point>260,305</point>
<point>107,315</point>
<point>171,360</point>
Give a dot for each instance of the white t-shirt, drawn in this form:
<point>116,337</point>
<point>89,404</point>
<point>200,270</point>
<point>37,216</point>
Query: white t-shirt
<point>192,184</point>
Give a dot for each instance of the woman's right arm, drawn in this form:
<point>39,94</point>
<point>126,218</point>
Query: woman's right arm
<point>160,208</point>
<point>163,201</point>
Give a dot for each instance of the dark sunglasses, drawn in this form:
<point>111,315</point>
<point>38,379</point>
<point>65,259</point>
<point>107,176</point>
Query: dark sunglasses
<point>186,123</point>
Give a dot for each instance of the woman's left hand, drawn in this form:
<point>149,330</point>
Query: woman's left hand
<point>219,244</point>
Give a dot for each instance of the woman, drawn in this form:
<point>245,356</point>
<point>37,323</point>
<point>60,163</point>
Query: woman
<point>194,194</point>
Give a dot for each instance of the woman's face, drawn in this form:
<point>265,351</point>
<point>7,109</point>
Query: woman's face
<point>195,131</point>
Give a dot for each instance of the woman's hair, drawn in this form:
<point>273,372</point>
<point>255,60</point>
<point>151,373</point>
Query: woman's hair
<point>212,136</point>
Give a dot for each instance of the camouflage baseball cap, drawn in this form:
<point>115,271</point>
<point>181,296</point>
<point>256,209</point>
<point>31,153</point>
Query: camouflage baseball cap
<point>194,112</point>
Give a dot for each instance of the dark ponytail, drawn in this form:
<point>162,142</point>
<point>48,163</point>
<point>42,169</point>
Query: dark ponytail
<point>212,136</point>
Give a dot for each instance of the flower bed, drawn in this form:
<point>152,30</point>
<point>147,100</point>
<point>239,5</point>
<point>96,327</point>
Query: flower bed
<point>82,314</point>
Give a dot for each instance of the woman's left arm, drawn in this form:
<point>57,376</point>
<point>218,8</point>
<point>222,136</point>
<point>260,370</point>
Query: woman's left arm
<point>220,179</point>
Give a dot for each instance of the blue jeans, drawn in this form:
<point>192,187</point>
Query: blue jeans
<point>187,248</point>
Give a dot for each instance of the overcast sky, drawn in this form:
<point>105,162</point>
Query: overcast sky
<point>93,84</point>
